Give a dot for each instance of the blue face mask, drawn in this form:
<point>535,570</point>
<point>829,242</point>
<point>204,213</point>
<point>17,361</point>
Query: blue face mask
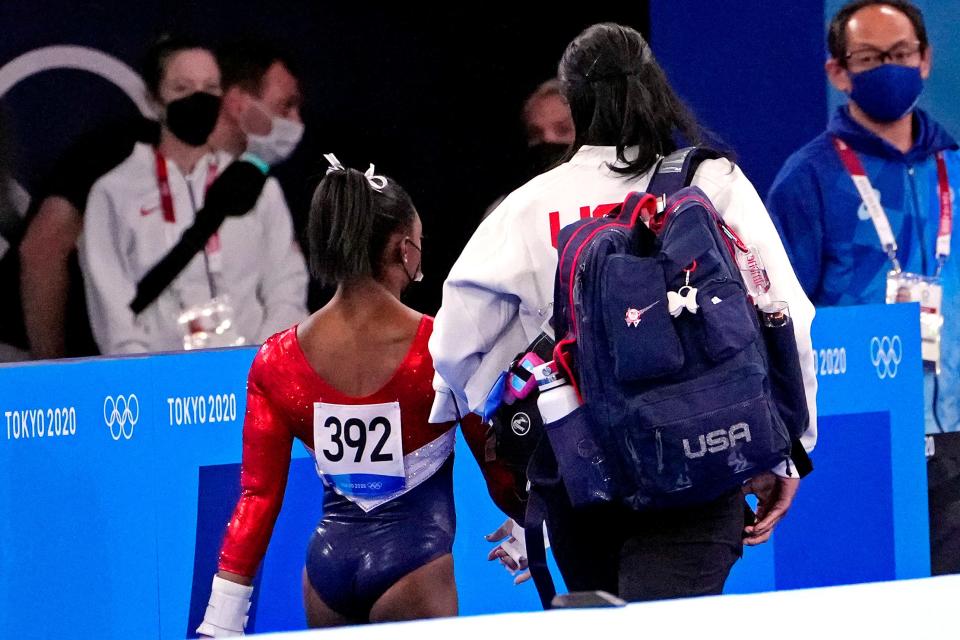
<point>888,92</point>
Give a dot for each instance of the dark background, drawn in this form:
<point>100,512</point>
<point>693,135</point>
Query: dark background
<point>431,96</point>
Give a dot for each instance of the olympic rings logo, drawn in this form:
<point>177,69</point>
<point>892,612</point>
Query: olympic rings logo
<point>119,413</point>
<point>886,354</point>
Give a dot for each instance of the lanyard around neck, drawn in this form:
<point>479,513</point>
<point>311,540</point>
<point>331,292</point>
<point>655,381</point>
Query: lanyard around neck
<point>163,184</point>
<point>851,162</point>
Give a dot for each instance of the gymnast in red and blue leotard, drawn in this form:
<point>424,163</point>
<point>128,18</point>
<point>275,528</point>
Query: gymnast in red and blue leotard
<point>353,383</point>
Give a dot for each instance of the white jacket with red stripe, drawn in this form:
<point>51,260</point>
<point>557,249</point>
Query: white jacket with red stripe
<point>499,293</point>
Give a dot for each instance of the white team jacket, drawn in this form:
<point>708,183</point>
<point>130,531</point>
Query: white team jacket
<point>124,235</point>
<point>500,291</point>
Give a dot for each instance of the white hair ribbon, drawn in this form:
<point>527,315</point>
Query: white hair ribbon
<point>377,183</point>
<point>334,163</point>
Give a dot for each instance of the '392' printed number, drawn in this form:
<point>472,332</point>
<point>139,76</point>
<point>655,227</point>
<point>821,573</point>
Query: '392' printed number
<point>352,434</point>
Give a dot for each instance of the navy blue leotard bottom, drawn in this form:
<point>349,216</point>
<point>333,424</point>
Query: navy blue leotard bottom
<point>353,557</point>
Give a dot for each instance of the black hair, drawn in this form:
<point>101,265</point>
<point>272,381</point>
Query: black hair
<point>350,224</point>
<point>837,32</point>
<point>244,63</point>
<point>158,55</point>
<point>619,96</point>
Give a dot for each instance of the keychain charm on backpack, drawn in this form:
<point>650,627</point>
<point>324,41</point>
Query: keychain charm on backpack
<point>685,297</point>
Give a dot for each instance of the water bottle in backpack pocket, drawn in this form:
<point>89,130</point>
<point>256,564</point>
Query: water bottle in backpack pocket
<point>583,465</point>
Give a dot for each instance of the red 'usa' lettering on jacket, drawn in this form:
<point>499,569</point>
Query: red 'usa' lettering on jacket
<point>598,212</point>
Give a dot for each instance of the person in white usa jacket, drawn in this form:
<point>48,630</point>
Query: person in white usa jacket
<point>498,297</point>
<point>254,259</point>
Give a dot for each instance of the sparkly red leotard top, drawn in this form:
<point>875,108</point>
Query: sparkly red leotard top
<point>281,390</point>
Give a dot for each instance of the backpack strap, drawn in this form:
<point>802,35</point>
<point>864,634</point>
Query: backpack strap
<point>676,170</point>
<point>536,548</point>
<point>544,481</point>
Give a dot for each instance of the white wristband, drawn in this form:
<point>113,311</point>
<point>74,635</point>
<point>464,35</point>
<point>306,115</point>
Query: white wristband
<point>227,609</point>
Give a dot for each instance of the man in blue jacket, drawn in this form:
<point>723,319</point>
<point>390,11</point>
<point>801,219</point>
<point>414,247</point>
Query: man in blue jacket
<point>880,159</point>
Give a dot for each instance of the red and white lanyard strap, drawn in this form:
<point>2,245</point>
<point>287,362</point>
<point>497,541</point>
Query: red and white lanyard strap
<point>163,184</point>
<point>945,232</point>
<point>878,216</point>
<point>214,259</point>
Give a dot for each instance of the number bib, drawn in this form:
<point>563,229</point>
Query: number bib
<point>358,448</point>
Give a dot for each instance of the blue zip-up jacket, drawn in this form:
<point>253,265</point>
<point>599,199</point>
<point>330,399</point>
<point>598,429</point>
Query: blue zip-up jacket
<point>833,244</point>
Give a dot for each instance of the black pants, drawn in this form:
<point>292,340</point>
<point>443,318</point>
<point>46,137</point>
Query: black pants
<point>943,484</point>
<point>647,556</point>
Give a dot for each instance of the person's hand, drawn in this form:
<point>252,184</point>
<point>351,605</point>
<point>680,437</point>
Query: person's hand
<point>774,497</point>
<point>512,551</point>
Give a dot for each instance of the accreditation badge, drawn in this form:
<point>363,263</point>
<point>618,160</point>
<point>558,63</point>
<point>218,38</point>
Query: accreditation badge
<point>928,291</point>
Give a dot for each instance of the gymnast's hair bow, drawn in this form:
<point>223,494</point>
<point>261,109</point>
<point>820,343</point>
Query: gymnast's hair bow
<point>377,182</point>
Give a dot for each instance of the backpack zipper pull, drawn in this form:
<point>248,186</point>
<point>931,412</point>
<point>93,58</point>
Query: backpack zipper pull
<point>727,231</point>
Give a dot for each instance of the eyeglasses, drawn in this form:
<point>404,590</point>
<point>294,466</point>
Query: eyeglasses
<point>904,53</point>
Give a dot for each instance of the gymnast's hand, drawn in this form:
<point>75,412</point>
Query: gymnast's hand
<point>511,552</point>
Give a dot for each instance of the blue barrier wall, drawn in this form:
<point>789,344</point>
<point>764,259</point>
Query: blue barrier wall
<point>111,520</point>
<point>862,514</point>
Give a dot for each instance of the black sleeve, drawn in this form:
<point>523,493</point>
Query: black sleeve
<point>95,154</point>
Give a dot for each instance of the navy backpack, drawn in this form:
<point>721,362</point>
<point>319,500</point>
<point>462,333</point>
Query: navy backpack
<point>685,394</point>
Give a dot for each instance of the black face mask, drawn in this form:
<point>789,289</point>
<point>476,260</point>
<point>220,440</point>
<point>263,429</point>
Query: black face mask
<point>193,117</point>
<point>542,156</point>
